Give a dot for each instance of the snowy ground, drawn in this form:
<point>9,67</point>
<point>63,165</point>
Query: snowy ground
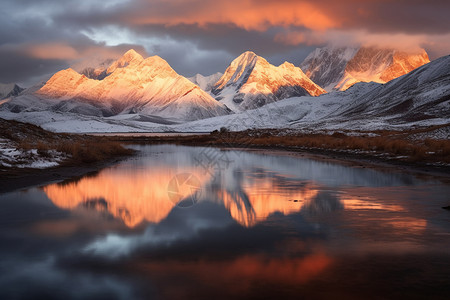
<point>12,156</point>
<point>299,113</point>
<point>308,113</point>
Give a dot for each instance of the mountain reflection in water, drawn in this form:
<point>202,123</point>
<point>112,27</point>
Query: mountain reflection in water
<point>249,193</point>
<point>188,222</point>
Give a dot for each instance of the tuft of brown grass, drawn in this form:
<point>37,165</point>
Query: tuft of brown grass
<point>92,151</point>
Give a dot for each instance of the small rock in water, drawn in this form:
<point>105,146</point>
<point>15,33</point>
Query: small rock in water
<point>446,207</point>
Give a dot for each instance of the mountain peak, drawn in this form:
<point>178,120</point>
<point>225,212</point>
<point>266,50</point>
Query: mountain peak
<point>245,59</point>
<point>287,65</point>
<point>147,87</point>
<point>338,68</point>
<point>63,83</point>
<point>247,55</point>
<point>132,52</point>
<point>130,57</point>
<point>250,81</point>
<point>9,90</point>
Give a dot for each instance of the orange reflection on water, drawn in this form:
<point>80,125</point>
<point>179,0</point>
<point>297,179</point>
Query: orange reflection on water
<point>399,221</point>
<point>359,203</point>
<point>131,196</point>
<point>262,198</point>
<point>138,195</point>
<point>239,274</point>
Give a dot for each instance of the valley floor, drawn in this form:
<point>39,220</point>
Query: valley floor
<point>30,155</point>
<point>426,150</point>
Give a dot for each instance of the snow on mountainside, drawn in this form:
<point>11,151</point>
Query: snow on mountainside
<point>9,90</point>
<point>133,85</point>
<point>250,82</point>
<point>206,83</point>
<point>335,68</point>
<point>419,98</point>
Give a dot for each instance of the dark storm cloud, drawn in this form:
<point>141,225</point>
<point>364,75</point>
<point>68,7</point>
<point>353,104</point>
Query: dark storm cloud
<point>190,49</point>
<point>204,36</point>
<point>394,16</point>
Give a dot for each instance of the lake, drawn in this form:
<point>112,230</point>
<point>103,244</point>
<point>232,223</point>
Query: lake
<point>176,222</point>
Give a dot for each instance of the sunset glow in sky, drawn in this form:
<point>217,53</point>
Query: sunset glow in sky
<point>40,37</point>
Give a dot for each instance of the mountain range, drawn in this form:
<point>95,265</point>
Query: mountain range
<point>130,85</point>
<point>250,82</point>
<point>137,94</point>
<point>418,99</point>
<point>338,68</point>
<point>9,90</point>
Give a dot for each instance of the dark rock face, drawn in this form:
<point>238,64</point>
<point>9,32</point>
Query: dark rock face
<point>93,74</point>
<point>326,66</point>
<point>290,91</point>
<point>15,91</point>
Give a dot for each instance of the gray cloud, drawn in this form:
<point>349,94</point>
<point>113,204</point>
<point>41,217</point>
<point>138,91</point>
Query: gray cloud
<point>202,36</point>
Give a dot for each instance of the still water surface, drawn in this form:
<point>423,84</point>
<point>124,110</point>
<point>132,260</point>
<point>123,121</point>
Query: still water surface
<point>200,223</point>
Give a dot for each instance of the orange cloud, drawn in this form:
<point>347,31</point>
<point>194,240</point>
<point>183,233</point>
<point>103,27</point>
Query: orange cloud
<point>247,14</point>
<point>52,51</point>
<point>78,54</point>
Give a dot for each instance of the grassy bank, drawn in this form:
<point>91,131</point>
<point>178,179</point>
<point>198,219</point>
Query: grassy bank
<point>412,146</point>
<point>419,147</point>
<point>25,145</point>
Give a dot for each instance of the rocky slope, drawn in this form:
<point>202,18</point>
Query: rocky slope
<point>250,82</point>
<point>420,98</point>
<point>335,68</point>
<point>206,83</point>
<point>9,90</point>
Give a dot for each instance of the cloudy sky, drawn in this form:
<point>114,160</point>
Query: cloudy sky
<point>40,37</point>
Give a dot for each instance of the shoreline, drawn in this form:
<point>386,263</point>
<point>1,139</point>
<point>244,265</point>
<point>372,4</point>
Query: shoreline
<point>350,160</point>
<point>19,179</point>
<point>353,157</point>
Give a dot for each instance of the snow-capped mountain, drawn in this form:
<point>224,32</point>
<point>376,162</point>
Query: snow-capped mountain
<point>132,85</point>
<point>9,90</point>
<point>206,83</point>
<point>335,68</point>
<point>250,82</point>
<point>419,98</point>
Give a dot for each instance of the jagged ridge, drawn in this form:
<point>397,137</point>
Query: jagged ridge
<point>335,68</point>
<point>133,84</point>
<point>250,82</point>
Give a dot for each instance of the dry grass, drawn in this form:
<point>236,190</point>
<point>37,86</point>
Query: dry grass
<point>394,144</point>
<point>76,148</point>
<point>84,150</point>
<point>92,151</point>
<point>389,143</point>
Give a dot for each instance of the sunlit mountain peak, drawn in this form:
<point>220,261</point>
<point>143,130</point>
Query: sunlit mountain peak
<point>131,57</point>
<point>250,81</point>
<point>135,85</point>
<point>338,68</point>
